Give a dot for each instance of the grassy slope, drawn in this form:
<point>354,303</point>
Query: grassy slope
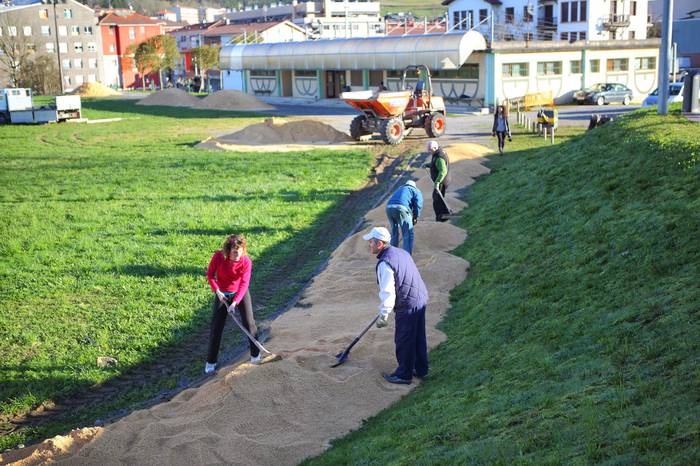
<point>576,336</point>
<point>107,231</point>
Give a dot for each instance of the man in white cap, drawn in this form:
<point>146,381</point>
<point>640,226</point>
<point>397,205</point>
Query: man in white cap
<point>402,290</point>
<point>403,210</point>
<point>440,174</point>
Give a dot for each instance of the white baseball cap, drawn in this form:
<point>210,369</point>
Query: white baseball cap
<point>433,146</point>
<point>411,183</point>
<point>380,233</point>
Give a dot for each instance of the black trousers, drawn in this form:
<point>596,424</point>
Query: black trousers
<point>218,320</point>
<point>501,135</point>
<point>439,205</point>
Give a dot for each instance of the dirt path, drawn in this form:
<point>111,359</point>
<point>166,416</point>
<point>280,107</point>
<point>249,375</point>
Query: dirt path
<point>283,412</point>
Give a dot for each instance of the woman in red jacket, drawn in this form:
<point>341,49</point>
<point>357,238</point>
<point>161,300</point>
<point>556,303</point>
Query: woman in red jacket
<point>229,276</point>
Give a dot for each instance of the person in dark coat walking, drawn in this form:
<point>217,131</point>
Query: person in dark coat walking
<point>402,290</point>
<point>440,174</point>
<point>501,128</point>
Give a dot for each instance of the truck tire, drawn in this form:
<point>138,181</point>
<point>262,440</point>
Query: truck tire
<point>435,125</point>
<point>393,131</point>
<point>356,128</point>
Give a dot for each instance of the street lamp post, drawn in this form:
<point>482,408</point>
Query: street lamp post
<point>58,47</point>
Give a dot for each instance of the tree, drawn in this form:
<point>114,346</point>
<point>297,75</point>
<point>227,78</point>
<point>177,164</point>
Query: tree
<point>165,48</point>
<point>41,75</point>
<point>145,59</point>
<point>205,57</point>
<point>14,49</point>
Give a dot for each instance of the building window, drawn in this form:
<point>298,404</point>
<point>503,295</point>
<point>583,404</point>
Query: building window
<point>63,47</point>
<point>67,80</point>
<point>632,35</point>
<point>548,68</point>
<point>132,33</point>
<point>466,71</point>
<point>44,13</point>
<point>645,63</point>
<point>527,36</point>
<point>78,47</point>
<point>27,31</point>
<point>564,36</point>
<point>527,17</point>
<point>305,73</point>
<point>618,64</point>
<point>515,70</point>
<point>111,48</point>
<point>111,30</point>
<point>575,66</point>
<point>31,47</point>
<point>583,15</point>
<point>66,63</point>
<point>633,8</point>
<point>67,13</point>
<point>582,35</point>
<point>574,12</point>
<point>45,30</point>
<point>483,14</point>
<point>510,15</point>
<point>12,31</point>
<point>564,12</point>
<point>455,20</point>
<point>262,73</point>
<point>87,30</point>
<point>91,47</point>
<point>62,31</point>
<point>594,66</point>
<point>79,79</point>
<point>75,30</point>
<point>50,47</point>
<point>92,63</point>
<point>78,63</point>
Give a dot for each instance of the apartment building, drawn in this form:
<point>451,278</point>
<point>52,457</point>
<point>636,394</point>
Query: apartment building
<point>66,30</point>
<point>568,20</point>
<point>189,15</point>
<point>326,19</point>
<point>120,30</point>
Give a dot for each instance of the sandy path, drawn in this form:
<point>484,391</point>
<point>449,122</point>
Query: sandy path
<point>283,412</point>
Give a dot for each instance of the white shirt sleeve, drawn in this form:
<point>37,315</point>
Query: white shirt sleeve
<point>387,290</point>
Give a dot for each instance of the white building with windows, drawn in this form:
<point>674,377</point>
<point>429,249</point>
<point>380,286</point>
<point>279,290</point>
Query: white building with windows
<point>568,20</point>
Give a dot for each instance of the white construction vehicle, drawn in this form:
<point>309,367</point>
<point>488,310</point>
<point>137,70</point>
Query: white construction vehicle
<point>16,107</point>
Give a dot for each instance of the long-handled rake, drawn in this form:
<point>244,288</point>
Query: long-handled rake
<point>269,356</point>
<point>442,198</point>
<point>343,355</point>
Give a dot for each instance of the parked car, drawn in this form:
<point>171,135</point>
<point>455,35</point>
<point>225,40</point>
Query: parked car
<point>604,93</point>
<point>675,94</point>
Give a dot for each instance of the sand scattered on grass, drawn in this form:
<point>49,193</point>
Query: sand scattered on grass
<point>283,412</point>
<point>171,97</point>
<point>232,100</point>
<point>94,90</point>
<point>51,449</point>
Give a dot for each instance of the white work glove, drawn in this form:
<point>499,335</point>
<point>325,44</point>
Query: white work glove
<point>437,185</point>
<point>221,296</point>
<point>382,321</point>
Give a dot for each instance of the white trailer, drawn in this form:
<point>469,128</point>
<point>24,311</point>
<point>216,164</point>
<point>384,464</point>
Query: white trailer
<point>16,107</point>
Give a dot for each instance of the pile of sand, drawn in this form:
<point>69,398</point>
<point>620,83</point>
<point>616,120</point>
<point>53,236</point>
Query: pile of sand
<point>171,97</point>
<point>277,131</point>
<point>232,100</point>
<point>94,90</point>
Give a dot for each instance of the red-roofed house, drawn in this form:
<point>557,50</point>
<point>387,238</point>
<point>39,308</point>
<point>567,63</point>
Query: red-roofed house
<point>119,32</point>
<point>187,38</point>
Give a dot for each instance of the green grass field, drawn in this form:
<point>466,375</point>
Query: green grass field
<point>108,229</point>
<point>576,337</point>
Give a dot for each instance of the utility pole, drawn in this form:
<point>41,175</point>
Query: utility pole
<point>664,51</point>
<point>58,47</point>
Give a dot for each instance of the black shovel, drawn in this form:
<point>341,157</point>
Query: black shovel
<point>343,356</point>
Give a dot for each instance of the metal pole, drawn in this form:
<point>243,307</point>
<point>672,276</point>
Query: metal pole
<point>58,47</point>
<point>674,49</point>
<point>666,32</point>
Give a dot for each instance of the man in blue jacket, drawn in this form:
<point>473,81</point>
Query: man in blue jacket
<point>402,290</point>
<point>403,210</point>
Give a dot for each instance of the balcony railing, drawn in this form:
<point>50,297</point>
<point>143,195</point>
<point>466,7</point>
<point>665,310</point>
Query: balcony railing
<point>616,21</point>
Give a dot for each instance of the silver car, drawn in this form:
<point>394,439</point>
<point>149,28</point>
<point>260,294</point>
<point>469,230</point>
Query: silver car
<point>604,93</point>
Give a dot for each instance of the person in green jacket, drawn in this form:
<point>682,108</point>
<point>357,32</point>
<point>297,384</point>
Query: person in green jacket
<point>440,174</point>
